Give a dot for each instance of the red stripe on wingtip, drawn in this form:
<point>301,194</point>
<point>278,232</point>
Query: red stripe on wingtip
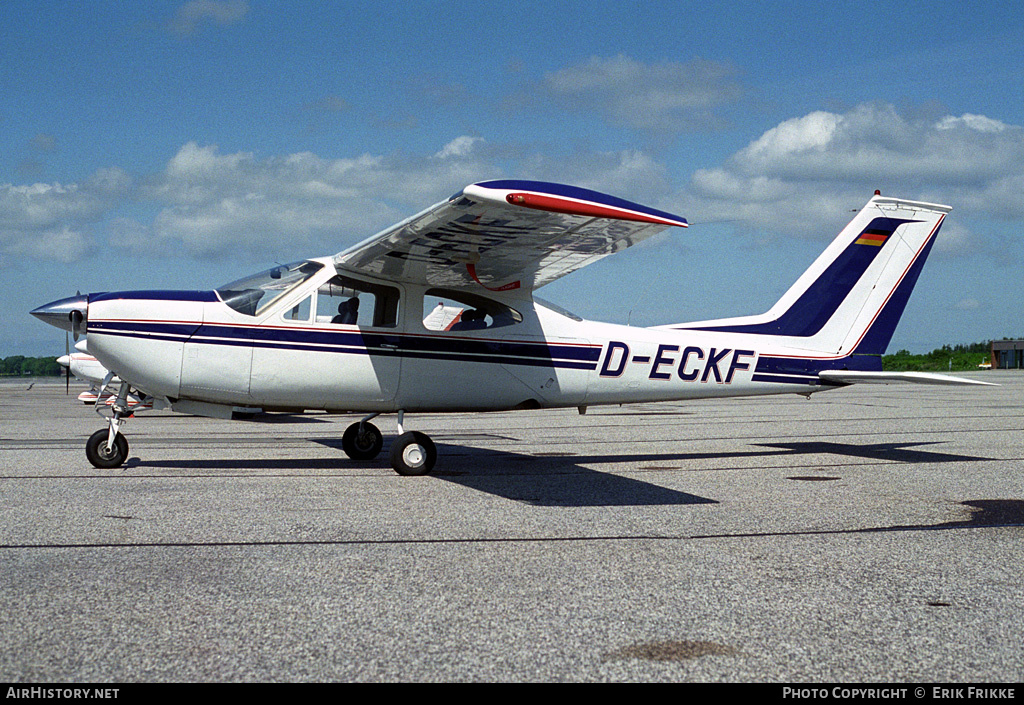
<point>556,204</point>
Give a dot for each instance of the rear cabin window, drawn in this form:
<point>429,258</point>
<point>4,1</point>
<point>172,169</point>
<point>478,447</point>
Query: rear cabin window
<point>460,311</point>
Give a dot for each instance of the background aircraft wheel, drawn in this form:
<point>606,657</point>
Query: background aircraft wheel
<point>97,453</point>
<point>362,446</point>
<point>413,453</point>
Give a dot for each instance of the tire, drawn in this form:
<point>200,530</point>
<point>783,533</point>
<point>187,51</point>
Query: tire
<point>413,453</point>
<point>96,450</point>
<point>362,446</point>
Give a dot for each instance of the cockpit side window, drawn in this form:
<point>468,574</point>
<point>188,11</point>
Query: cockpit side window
<point>455,311</point>
<point>298,312</point>
<point>252,295</point>
<point>347,301</point>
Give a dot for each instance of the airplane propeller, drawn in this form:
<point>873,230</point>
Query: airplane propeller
<point>77,320</point>
<point>67,374</point>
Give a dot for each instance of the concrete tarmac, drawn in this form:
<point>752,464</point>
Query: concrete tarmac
<point>868,534</point>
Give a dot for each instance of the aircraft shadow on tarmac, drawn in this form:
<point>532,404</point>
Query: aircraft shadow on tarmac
<point>561,480</point>
<point>984,513</point>
<point>565,479</point>
<point>568,480</point>
<point>899,452</point>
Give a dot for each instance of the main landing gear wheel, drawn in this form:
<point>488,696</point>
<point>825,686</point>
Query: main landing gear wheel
<point>362,441</point>
<point>413,453</point>
<point>100,456</point>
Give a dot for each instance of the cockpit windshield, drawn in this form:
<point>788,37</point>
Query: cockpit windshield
<point>253,294</point>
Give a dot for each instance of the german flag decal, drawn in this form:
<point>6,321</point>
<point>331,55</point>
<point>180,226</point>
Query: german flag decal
<point>873,237</point>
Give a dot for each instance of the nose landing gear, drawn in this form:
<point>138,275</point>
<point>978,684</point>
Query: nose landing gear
<point>108,448</point>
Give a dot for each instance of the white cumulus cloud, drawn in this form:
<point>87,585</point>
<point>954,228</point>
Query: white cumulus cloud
<point>48,220</point>
<point>458,147</point>
<point>808,169</point>
<point>670,96</point>
<point>190,18</point>
<point>298,204</point>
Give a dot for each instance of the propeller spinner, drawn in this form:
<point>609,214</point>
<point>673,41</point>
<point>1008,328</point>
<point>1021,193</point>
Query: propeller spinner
<point>67,314</point>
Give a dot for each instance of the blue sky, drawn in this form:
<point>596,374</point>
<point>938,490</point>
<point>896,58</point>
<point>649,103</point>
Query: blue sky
<point>185,144</point>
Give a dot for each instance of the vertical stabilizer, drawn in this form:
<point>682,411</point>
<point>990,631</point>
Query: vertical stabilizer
<point>851,298</point>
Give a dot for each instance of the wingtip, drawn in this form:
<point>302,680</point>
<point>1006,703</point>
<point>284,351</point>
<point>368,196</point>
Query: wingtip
<point>571,200</point>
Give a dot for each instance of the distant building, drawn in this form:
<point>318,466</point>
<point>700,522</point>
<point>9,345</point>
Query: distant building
<point>1008,354</point>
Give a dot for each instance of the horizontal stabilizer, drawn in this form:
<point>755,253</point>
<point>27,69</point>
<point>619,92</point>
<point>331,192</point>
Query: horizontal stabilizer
<point>856,377</point>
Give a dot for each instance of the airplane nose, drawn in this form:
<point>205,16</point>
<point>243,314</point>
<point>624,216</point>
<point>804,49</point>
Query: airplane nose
<point>69,313</point>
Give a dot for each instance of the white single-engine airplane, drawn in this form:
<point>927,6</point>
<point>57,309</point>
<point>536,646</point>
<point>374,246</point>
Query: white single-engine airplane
<point>438,314</point>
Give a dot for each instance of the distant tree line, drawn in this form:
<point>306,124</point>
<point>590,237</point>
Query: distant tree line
<point>21,366</point>
<point>949,357</point>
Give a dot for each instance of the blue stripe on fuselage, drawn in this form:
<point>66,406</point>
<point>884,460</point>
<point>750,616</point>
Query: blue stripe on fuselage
<point>361,343</point>
<point>144,329</point>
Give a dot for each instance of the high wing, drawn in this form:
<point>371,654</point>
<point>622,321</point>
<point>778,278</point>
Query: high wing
<point>506,235</point>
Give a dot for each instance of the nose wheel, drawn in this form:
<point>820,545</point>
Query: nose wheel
<point>108,448</point>
<point>102,454</point>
